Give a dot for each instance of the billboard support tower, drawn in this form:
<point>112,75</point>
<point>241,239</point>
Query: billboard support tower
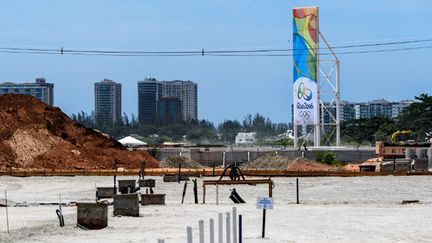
<point>316,96</point>
<point>330,97</point>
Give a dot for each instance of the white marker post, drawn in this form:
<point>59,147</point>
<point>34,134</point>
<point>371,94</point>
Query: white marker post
<point>201,231</point>
<point>189,234</point>
<point>211,231</point>
<point>264,203</point>
<point>228,228</point>
<point>220,228</point>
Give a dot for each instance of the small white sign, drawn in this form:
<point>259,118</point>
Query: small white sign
<point>264,203</point>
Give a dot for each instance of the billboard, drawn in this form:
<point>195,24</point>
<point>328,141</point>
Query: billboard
<point>305,55</point>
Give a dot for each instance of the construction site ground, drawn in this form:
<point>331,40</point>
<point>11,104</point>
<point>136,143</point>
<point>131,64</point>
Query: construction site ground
<point>206,171</point>
<point>331,209</point>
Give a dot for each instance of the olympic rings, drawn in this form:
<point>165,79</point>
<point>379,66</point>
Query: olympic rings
<point>305,114</point>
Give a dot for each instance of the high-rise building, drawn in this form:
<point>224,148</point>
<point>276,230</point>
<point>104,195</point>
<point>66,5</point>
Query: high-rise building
<point>40,89</point>
<point>169,110</point>
<point>187,92</point>
<point>149,93</point>
<point>108,101</point>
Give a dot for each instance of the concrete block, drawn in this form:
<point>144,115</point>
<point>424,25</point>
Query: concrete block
<point>126,185</point>
<point>152,199</point>
<point>173,178</point>
<point>92,215</point>
<point>147,183</point>
<point>105,192</point>
<point>367,168</point>
<point>421,164</point>
<point>126,205</point>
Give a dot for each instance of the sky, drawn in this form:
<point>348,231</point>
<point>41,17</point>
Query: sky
<point>228,87</point>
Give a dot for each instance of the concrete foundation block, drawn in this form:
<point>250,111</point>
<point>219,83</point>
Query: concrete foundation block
<point>126,205</point>
<point>152,199</point>
<point>173,178</point>
<point>92,215</point>
<point>105,192</point>
<point>147,183</point>
<point>126,185</point>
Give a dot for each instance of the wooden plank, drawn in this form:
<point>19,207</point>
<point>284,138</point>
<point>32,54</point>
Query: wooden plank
<point>236,182</point>
<point>218,172</point>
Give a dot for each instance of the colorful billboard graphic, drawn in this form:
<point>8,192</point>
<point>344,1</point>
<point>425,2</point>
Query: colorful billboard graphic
<point>305,45</point>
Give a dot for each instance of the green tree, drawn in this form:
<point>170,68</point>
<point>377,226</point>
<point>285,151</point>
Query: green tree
<point>367,130</point>
<point>229,130</point>
<point>418,118</point>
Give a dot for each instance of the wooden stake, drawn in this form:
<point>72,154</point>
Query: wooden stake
<point>7,214</point>
<point>184,192</point>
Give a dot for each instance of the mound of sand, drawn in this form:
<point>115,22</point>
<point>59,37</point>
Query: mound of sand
<point>38,136</point>
<point>173,162</point>
<point>282,163</point>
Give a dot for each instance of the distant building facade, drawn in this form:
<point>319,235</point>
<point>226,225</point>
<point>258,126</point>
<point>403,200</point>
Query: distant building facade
<point>40,89</point>
<point>245,138</point>
<point>380,108</point>
<point>149,93</point>
<point>187,92</point>
<point>373,108</point>
<point>169,110</point>
<point>359,110</point>
<point>108,101</point>
<point>164,102</point>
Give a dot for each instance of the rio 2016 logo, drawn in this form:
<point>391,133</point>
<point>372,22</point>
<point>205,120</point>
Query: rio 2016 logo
<point>304,92</point>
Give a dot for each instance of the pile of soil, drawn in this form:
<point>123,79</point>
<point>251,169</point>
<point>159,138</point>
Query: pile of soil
<point>34,135</point>
<point>278,162</point>
<point>173,162</point>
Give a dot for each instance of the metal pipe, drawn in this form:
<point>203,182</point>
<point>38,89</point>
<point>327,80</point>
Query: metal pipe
<point>240,229</point>
<point>263,223</point>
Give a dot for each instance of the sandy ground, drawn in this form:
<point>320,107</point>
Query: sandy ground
<point>351,209</point>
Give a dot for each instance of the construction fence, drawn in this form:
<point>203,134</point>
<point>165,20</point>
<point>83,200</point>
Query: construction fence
<point>218,158</point>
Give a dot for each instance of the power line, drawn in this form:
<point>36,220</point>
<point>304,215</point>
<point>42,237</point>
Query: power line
<point>183,53</point>
<point>328,53</point>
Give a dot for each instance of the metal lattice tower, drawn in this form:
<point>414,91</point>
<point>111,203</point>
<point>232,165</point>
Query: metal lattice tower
<point>329,98</point>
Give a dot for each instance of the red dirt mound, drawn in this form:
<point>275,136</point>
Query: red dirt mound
<point>38,136</point>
